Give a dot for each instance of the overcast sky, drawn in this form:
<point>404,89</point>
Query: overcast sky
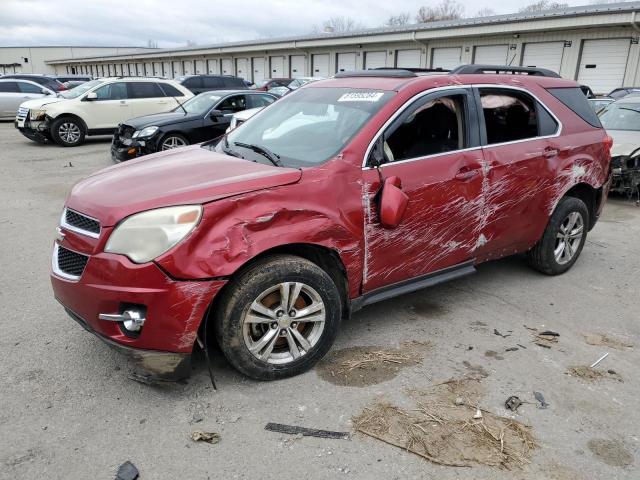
<point>172,23</point>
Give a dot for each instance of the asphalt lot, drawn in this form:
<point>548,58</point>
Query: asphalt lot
<point>70,411</point>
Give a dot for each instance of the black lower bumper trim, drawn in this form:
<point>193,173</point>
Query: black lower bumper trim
<point>154,365</point>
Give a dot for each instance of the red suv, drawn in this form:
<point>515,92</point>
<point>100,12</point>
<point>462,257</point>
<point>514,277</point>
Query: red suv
<point>349,191</point>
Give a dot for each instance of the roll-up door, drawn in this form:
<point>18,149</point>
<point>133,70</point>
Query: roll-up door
<point>200,67</point>
<point>408,59</point>
<point>258,69</point>
<point>543,55</point>
<point>296,66</point>
<point>375,60</point>
<point>346,62</point>
<point>242,68</point>
<point>166,70</point>
<point>276,67</point>
<point>227,66</point>
<point>320,65</point>
<point>148,69</point>
<point>491,55</point>
<point>212,66</point>
<point>603,64</point>
<point>188,67</point>
<point>177,68</point>
<point>446,58</point>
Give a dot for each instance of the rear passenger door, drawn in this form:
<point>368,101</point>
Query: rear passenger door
<point>147,98</point>
<point>433,147</point>
<point>10,99</point>
<point>516,131</point>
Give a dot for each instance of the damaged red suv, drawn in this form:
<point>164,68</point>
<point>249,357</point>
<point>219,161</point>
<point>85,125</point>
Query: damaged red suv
<point>349,191</point>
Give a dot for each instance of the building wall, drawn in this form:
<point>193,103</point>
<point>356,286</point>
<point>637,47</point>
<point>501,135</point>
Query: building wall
<point>33,59</point>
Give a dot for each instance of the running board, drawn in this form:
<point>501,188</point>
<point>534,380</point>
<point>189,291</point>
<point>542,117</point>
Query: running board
<point>413,284</point>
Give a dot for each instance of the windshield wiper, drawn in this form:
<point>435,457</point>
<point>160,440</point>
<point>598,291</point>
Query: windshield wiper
<point>229,151</point>
<point>272,157</point>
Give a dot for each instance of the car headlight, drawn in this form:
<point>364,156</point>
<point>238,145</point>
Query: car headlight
<point>145,132</point>
<point>37,115</point>
<point>147,235</point>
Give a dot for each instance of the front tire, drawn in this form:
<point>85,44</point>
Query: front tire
<point>278,318</point>
<point>68,131</point>
<point>173,140</point>
<point>563,239</point>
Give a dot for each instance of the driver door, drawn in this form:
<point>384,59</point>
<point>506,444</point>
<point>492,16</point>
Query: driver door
<point>109,108</point>
<point>433,148</point>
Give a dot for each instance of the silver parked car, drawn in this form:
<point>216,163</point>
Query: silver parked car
<point>15,91</point>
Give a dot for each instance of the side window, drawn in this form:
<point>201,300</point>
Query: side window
<point>112,91</point>
<point>170,91</point>
<point>29,88</point>
<point>193,82</point>
<point>429,127</point>
<point>256,101</point>
<point>233,83</point>
<point>9,87</point>
<point>144,90</point>
<point>508,115</point>
<point>212,82</point>
<point>233,104</point>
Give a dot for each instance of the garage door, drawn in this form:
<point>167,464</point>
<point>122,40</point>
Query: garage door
<point>139,69</point>
<point>227,66</point>
<point>258,69</point>
<point>543,55</point>
<point>320,65</point>
<point>200,66</point>
<point>148,69</point>
<point>446,58</point>
<point>296,65</point>
<point>375,60</point>
<point>408,59</point>
<point>177,68</point>
<point>212,66</point>
<point>603,64</point>
<point>346,62</point>
<point>242,68</point>
<point>157,69</point>
<point>188,67</point>
<point>276,67</point>
<point>491,55</point>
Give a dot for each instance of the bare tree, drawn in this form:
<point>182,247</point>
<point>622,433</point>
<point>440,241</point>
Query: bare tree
<point>445,10</point>
<point>398,20</point>
<point>152,44</point>
<point>485,12</point>
<point>542,5</point>
<point>338,24</point>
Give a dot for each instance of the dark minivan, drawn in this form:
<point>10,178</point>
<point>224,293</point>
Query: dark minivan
<point>205,83</point>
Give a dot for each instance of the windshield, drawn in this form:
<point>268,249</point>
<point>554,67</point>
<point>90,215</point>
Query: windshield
<point>623,116</point>
<point>199,104</point>
<point>80,89</point>
<point>307,127</point>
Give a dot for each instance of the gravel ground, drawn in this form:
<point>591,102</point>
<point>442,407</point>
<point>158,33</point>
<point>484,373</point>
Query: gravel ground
<point>69,409</point>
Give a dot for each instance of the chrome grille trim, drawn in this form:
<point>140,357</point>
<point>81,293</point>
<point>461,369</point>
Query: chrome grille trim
<point>73,228</point>
<point>22,113</point>
<point>55,267</point>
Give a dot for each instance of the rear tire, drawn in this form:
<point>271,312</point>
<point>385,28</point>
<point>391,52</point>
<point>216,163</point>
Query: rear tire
<point>68,131</point>
<point>278,318</point>
<point>563,239</point>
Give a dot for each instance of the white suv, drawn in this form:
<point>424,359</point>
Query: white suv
<point>96,108</point>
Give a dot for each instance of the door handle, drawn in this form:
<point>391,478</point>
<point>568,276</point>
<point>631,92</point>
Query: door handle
<point>550,152</point>
<point>466,173</point>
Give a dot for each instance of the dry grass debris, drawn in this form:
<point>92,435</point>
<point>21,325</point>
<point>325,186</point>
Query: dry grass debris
<point>592,374</point>
<point>604,340</point>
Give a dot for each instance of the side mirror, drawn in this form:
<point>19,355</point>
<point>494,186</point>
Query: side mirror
<point>393,203</point>
<point>215,115</point>
<point>44,91</point>
<point>91,96</point>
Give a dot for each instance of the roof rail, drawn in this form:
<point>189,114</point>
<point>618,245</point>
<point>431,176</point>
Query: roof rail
<point>416,69</point>
<point>391,72</point>
<point>503,69</point>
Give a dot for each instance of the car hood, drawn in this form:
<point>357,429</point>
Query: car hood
<point>190,175</point>
<point>624,142</point>
<point>40,102</point>
<point>162,119</point>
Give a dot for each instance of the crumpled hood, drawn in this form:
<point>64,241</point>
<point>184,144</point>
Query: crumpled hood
<point>40,102</point>
<point>191,175</point>
<point>624,142</point>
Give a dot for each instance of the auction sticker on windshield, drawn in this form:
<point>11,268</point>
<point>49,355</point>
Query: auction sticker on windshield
<point>361,97</point>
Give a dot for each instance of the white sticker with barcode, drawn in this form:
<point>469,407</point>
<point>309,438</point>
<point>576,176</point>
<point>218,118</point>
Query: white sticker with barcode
<point>361,97</point>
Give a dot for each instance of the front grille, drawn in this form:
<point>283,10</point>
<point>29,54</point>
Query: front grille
<point>70,262</point>
<point>81,222</point>
<point>22,113</point>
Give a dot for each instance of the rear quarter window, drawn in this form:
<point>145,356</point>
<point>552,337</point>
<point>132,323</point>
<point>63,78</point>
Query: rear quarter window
<point>234,83</point>
<point>170,91</point>
<point>576,101</point>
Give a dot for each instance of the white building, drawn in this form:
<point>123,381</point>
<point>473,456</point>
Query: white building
<point>596,45</point>
<point>34,59</point>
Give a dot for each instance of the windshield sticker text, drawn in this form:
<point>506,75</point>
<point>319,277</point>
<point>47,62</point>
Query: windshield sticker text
<point>361,97</point>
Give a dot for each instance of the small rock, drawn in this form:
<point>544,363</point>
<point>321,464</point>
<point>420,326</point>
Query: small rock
<point>459,401</point>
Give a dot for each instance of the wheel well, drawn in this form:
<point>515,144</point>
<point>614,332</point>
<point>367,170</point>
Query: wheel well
<point>75,117</point>
<point>590,196</point>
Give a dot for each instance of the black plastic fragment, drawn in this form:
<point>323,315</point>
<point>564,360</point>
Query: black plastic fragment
<point>513,403</point>
<point>127,471</point>
<point>306,432</point>
<point>540,398</point>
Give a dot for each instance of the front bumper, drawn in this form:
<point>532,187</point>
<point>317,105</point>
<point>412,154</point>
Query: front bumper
<point>174,309</point>
<point>36,131</point>
<point>124,147</point>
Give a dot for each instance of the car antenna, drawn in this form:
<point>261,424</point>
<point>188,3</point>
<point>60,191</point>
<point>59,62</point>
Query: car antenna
<point>180,105</point>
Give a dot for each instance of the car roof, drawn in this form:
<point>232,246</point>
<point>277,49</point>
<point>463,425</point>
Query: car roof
<point>223,93</point>
<point>629,99</point>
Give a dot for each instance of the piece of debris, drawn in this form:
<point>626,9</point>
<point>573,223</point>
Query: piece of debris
<point>442,432</point>
<point>549,333</point>
<point>512,403</point>
<point>543,339</point>
<point>144,379</point>
<point>521,346</point>
<point>459,401</point>
<point>592,374</point>
<point>127,471</point>
<point>511,349</point>
<point>306,432</point>
<point>604,340</point>
<point>496,332</point>
<point>208,437</point>
<point>540,398</point>
<point>599,360</point>
<point>69,165</point>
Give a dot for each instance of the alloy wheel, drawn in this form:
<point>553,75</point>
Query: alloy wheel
<point>170,143</point>
<point>568,238</point>
<point>284,322</point>
<point>69,132</point>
